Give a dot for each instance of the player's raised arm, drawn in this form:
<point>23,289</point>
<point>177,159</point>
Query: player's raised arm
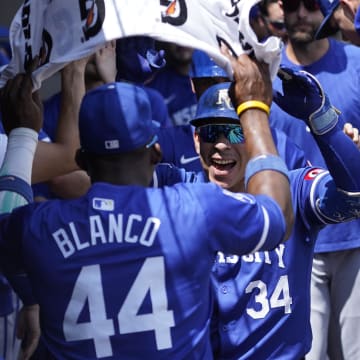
<point>22,120</point>
<point>58,157</point>
<point>251,95</point>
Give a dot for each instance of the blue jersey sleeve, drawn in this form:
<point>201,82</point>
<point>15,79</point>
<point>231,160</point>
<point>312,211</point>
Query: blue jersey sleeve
<point>257,222</point>
<point>342,158</point>
<point>321,201</point>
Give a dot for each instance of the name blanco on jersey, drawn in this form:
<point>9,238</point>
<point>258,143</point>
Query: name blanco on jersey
<point>275,256</point>
<point>118,231</point>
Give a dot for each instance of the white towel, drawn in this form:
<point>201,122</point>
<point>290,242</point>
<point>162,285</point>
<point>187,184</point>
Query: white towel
<point>65,30</point>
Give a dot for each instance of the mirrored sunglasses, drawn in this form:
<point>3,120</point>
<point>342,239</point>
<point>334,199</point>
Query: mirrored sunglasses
<point>293,5</point>
<point>210,133</point>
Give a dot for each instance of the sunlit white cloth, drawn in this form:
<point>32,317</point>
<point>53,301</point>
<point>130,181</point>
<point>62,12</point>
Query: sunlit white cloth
<point>61,31</point>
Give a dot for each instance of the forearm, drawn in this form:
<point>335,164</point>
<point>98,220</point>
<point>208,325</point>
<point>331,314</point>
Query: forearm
<point>259,144</point>
<point>15,173</point>
<point>58,158</point>
<point>342,158</point>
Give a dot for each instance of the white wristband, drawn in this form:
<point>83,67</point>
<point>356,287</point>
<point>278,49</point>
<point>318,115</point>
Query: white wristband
<point>19,154</point>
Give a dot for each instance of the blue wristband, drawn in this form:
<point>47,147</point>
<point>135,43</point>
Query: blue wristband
<point>265,162</point>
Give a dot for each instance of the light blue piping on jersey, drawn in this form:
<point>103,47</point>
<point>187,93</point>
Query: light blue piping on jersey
<point>314,206</point>
<point>265,230</point>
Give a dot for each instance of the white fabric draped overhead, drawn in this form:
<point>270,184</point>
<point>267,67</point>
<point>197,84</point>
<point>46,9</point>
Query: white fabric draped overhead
<point>64,30</point>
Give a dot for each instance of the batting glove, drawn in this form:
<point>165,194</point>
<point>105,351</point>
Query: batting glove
<point>304,97</point>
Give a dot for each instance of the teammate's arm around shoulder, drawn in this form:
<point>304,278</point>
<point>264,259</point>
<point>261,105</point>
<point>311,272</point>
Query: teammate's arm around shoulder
<point>251,94</point>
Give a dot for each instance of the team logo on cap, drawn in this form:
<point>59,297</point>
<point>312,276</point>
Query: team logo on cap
<point>224,99</point>
<point>92,14</point>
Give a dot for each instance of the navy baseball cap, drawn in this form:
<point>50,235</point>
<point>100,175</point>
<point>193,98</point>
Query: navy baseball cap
<point>116,118</point>
<point>327,8</point>
<point>215,107</point>
<point>203,66</point>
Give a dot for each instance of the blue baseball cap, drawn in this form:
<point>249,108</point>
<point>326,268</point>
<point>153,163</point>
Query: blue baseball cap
<point>327,8</point>
<point>215,107</point>
<point>137,58</point>
<point>203,66</point>
<point>116,118</point>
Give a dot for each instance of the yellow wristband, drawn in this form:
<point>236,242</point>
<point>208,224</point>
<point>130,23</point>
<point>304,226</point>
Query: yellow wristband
<point>252,104</point>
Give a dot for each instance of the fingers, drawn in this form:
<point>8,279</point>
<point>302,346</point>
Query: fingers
<point>30,346</point>
<point>37,99</point>
<point>352,133</point>
<point>28,331</point>
<point>34,63</point>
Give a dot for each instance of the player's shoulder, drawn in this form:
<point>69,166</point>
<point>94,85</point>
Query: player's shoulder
<point>307,173</point>
<point>350,51</point>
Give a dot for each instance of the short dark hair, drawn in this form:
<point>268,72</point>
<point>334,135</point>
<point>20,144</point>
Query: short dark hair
<point>263,6</point>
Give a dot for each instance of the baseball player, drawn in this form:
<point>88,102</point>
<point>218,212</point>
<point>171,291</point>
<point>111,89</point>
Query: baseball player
<point>51,160</point>
<point>122,272</point>
<point>23,124</point>
<point>263,299</point>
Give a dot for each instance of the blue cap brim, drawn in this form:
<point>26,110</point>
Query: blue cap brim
<point>211,118</point>
<point>325,29</point>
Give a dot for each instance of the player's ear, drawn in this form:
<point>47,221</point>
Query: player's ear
<point>197,142</point>
<point>80,158</point>
<point>156,154</point>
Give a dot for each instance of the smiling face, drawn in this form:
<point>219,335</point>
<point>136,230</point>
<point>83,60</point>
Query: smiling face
<point>223,162</point>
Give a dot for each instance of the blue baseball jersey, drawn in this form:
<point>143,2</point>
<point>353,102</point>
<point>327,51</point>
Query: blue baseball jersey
<point>339,73</point>
<point>177,145</point>
<point>9,201</point>
<point>178,94</point>
<point>263,300</point>
<point>124,272</point>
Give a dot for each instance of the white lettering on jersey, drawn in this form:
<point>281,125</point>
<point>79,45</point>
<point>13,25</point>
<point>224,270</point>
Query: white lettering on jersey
<point>134,230</point>
<point>257,257</point>
<point>184,115</point>
<point>239,196</point>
